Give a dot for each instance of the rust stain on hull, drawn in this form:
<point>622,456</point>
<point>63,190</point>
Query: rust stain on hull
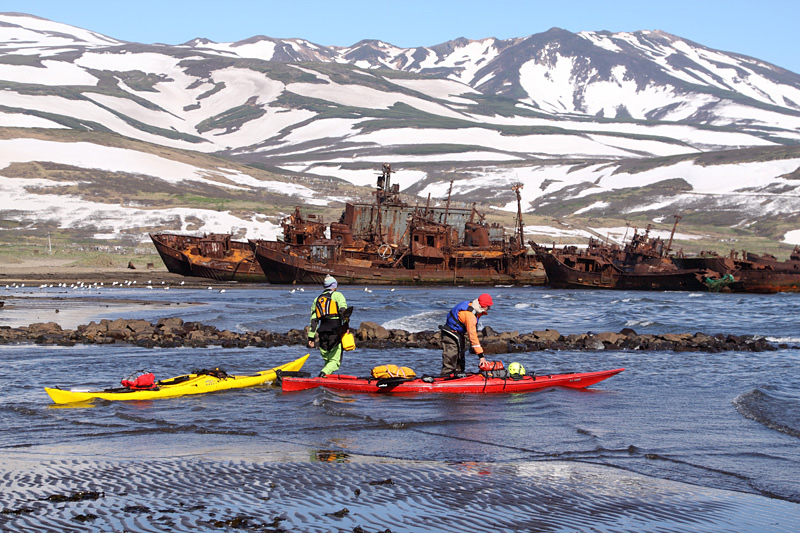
<point>213,256</point>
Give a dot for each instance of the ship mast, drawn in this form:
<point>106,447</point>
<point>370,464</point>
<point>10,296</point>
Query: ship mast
<point>447,205</point>
<point>671,235</point>
<point>384,186</point>
<point>518,230</point>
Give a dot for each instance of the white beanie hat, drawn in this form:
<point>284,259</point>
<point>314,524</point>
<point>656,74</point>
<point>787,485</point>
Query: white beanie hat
<point>330,282</point>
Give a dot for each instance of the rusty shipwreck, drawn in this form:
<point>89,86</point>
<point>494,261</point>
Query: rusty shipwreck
<point>644,263</point>
<point>215,256</point>
<point>763,273</point>
<point>389,242</point>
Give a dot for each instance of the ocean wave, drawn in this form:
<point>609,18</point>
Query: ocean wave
<point>563,297</point>
<point>639,322</point>
<point>785,340</point>
<point>426,321</point>
<point>772,408</point>
<point>624,300</point>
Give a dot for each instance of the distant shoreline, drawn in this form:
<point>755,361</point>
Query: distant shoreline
<point>41,272</point>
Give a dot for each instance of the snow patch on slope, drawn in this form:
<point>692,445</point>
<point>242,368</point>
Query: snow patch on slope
<point>114,221</point>
<point>18,120</point>
<point>468,58</point>
<point>549,87</point>
<point>740,183</point>
<point>440,89</point>
<point>360,96</point>
<point>365,177</point>
<point>74,212</point>
<point>28,30</point>
<point>51,73</point>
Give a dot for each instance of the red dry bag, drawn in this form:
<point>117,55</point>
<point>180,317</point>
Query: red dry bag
<point>142,382</point>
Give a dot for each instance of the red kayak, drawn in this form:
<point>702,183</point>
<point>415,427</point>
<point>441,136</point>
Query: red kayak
<point>472,383</point>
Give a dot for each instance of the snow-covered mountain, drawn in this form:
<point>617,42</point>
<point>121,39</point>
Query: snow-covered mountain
<point>580,119</point>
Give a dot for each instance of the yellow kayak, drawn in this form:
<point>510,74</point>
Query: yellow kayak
<point>173,387</point>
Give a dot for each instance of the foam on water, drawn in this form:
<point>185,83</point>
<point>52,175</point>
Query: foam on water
<point>426,321</point>
<point>785,340</point>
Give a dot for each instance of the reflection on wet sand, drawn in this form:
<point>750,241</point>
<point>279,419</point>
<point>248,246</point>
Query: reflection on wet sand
<point>337,492</point>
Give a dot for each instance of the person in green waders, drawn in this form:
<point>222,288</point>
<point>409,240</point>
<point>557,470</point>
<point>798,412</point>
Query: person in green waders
<point>329,321</point>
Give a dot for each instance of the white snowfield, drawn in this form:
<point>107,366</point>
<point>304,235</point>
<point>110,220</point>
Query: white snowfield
<point>616,235</point>
<point>182,101</point>
<point>323,127</point>
<point>28,199</point>
<point>26,31</point>
<point>722,70</point>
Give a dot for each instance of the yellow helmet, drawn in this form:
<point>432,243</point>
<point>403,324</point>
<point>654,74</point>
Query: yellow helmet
<point>516,369</point>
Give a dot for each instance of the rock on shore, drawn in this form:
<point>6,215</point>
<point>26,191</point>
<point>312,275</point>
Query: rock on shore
<point>174,332</point>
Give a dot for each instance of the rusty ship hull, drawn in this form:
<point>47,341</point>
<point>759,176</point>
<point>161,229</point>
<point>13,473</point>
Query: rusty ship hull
<point>765,274</point>
<point>762,274</point>
<point>282,266</point>
<point>175,260</point>
<point>767,281</point>
<point>214,256</point>
<point>605,275</point>
<point>644,263</point>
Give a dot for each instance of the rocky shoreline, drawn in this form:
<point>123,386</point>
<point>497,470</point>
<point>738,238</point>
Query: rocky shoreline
<point>174,332</point>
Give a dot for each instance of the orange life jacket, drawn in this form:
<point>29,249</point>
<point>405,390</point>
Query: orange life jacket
<point>326,306</point>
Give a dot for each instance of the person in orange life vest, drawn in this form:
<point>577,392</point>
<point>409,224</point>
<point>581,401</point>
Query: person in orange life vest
<point>462,325</point>
<point>329,320</point>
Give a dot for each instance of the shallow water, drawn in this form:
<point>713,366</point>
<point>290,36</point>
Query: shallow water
<point>679,441</point>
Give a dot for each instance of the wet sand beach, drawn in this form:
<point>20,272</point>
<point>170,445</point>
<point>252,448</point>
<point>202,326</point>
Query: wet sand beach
<point>37,272</point>
<point>363,494</point>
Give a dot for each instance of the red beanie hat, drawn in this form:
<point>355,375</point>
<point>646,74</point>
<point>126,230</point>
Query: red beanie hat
<point>484,300</point>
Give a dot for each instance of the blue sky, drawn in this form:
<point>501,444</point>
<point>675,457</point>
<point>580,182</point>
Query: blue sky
<point>765,29</point>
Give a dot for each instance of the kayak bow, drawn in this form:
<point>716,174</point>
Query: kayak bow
<point>177,386</point>
<point>473,383</point>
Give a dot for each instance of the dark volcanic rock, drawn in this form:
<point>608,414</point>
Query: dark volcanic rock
<point>174,332</point>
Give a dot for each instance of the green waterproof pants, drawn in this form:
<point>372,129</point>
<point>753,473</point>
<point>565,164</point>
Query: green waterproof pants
<point>332,358</point>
